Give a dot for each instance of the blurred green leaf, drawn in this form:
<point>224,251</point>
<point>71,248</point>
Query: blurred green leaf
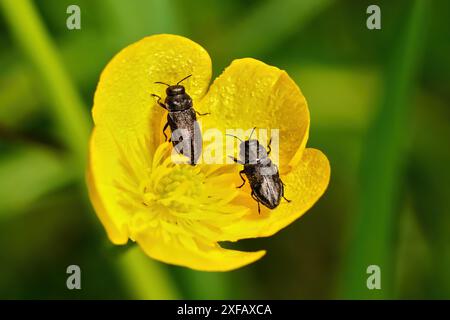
<point>268,25</point>
<point>28,174</point>
<point>140,18</point>
<point>67,106</point>
<point>18,97</point>
<point>429,183</point>
<point>413,250</point>
<point>381,166</point>
<point>338,97</point>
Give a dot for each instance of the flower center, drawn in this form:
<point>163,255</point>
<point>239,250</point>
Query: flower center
<point>177,188</point>
<point>176,200</point>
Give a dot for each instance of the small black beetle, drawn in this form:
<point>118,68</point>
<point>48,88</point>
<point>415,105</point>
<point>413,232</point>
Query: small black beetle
<point>182,121</point>
<point>261,172</point>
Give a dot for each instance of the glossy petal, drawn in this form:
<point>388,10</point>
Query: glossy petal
<point>195,254</point>
<point>304,185</point>
<point>122,100</point>
<point>100,180</point>
<point>124,111</point>
<point>250,93</point>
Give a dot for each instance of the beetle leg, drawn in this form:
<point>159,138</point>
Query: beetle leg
<point>162,105</point>
<point>269,147</point>
<point>240,174</point>
<point>202,114</point>
<point>256,199</point>
<point>192,153</point>
<point>283,194</point>
<point>236,160</point>
<point>164,133</point>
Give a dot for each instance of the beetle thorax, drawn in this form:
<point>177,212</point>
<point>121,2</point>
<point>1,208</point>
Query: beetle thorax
<point>177,99</point>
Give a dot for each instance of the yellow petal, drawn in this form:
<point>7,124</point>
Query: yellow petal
<point>124,112</point>
<point>195,254</point>
<point>304,185</point>
<point>114,227</point>
<point>122,100</point>
<point>103,172</point>
<point>250,93</point>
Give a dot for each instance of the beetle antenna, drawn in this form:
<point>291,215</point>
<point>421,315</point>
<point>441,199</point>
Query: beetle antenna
<point>234,137</point>
<point>251,133</point>
<point>184,79</point>
<point>163,83</point>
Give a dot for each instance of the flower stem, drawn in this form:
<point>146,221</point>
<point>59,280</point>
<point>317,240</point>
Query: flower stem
<point>145,278</point>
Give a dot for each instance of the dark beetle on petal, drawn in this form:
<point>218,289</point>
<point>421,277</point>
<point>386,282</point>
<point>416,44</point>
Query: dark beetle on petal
<point>186,136</point>
<point>261,172</point>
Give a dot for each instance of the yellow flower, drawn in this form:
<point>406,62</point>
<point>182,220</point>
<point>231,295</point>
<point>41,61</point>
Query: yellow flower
<point>179,213</point>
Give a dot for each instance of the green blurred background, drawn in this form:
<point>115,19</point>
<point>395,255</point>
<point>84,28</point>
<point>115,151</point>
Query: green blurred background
<point>379,110</point>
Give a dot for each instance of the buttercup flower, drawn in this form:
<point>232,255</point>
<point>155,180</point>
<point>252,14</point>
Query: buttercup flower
<point>178,213</point>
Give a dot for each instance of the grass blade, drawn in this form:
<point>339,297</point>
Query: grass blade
<point>381,166</point>
<point>28,174</point>
<point>67,107</point>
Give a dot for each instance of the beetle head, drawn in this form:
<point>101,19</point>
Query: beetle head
<point>175,90</point>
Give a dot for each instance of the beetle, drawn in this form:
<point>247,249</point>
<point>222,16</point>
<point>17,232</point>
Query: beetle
<point>182,120</point>
<point>262,174</point>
